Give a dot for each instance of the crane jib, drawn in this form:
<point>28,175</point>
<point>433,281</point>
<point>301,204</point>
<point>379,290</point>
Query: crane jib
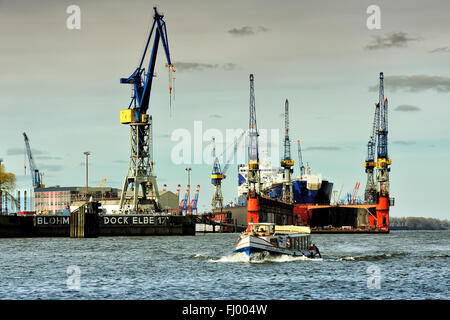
<point>142,79</point>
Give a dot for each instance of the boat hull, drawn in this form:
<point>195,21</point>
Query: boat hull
<point>254,244</point>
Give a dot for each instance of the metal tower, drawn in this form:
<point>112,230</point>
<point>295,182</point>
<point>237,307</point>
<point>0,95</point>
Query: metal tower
<point>370,192</point>
<point>383,202</point>
<point>140,177</point>
<point>383,160</point>
<point>287,163</point>
<point>253,157</point>
<point>218,174</point>
<point>216,180</point>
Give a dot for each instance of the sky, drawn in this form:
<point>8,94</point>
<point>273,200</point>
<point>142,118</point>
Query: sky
<point>61,86</point>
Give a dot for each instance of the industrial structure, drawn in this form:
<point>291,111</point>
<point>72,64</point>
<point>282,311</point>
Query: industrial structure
<point>194,202</point>
<point>218,174</point>
<point>300,159</point>
<point>36,176</point>
<point>253,178</point>
<point>140,178</point>
<point>370,192</point>
<point>287,163</point>
<point>57,199</point>
<point>383,162</point>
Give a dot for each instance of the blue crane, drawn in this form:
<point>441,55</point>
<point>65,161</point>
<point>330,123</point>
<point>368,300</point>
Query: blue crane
<point>140,168</point>
<point>142,80</point>
<point>35,176</point>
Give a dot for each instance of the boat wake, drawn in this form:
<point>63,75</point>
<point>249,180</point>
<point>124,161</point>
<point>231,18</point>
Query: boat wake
<point>372,257</point>
<point>261,257</point>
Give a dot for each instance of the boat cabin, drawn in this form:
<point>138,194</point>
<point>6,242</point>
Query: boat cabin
<point>262,228</point>
<point>290,237</point>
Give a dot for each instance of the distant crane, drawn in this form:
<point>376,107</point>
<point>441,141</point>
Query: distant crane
<point>253,155</point>
<point>35,175</point>
<point>300,159</point>
<point>185,202</point>
<point>194,202</point>
<point>287,163</point>
<point>355,193</point>
<point>383,201</point>
<point>218,174</point>
<point>140,172</point>
<point>370,192</point>
<point>383,160</point>
<point>253,179</point>
<point>337,195</point>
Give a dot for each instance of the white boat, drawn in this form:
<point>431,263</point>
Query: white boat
<point>274,239</point>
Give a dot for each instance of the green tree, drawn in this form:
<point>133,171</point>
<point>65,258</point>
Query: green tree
<point>7,180</point>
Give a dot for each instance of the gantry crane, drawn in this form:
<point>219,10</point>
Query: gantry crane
<point>287,162</point>
<point>184,203</point>
<point>35,175</point>
<point>140,173</point>
<point>370,192</point>
<point>194,202</point>
<point>218,174</point>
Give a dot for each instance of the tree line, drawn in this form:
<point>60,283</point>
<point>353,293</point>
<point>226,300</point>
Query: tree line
<point>418,223</point>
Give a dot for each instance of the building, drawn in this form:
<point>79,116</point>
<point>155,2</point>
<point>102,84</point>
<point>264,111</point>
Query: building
<point>57,200</point>
<point>169,200</point>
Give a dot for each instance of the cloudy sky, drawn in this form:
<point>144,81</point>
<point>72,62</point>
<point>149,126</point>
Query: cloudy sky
<point>62,88</point>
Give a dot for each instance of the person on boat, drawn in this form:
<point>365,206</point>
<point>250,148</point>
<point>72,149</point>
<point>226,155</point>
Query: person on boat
<point>314,248</point>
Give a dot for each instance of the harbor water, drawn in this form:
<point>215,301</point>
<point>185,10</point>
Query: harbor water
<point>400,265</point>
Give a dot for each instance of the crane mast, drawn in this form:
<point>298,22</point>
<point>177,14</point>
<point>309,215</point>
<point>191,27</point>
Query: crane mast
<point>287,163</point>
<point>140,175</point>
<point>253,176</point>
<point>216,180</point>
<point>383,202</point>
<point>383,160</point>
<point>253,157</point>
<point>370,192</point>
<point>218,173</point>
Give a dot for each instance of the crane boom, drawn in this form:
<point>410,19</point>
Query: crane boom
<point>35,176</point>
<point>141,168</point>
<point>142,81</point>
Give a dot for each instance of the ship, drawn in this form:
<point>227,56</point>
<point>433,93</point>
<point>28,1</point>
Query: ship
<point>311,207</point>
<point>307,189</point>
